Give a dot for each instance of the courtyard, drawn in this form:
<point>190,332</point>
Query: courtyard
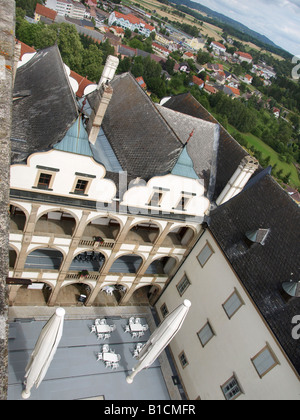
<point>75,372</point>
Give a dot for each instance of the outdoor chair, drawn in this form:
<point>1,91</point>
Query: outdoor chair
<point>100,356</point>
<point>93,328</point>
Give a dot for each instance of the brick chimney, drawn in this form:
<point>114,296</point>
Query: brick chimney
<point>239,179</point>
<point>102,98</point>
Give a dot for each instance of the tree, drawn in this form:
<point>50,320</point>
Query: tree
<point>92,63</point>
<point>70,46</point>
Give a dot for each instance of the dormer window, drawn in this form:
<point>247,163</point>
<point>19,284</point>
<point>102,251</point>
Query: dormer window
<point>256,237</point>
<point>156,197</point>
<point>44,181</point>
<point>184,201</point>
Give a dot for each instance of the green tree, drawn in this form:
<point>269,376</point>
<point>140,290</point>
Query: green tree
<point>92,63</point>
<point>70,47</point>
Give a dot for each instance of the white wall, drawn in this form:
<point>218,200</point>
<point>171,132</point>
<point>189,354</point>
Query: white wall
<point>237,340</point>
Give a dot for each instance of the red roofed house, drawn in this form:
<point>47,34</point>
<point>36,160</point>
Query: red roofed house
<point>232,91</point>
<point>197,81</point>
<point>43,11</point>
<point>159,48</point>
<point>243,56</point>
<point>218,47</point>
<point>141,82</point>
<point>247,79</point>
<point>210,89</point>
<point>130,22</point>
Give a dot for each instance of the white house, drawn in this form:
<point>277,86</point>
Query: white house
<point>131,22</point>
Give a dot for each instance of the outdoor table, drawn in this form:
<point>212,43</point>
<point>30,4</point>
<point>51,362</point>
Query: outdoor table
<point>110,357</point>
<point>103,328</point>
<point>136,327</point>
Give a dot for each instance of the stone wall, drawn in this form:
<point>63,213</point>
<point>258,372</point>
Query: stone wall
<point>7,30</point>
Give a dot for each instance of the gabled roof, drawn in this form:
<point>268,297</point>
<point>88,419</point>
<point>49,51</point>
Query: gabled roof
<point>229,153</point>
<point>44,107</point>
<point>45,11</point>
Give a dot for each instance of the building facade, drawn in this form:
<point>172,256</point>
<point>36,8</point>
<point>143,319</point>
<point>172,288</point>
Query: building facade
<point>130,22</point>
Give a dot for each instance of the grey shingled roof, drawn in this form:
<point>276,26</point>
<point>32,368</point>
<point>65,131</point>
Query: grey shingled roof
<point>230,153</point>
<point>263,268</point>
<point>44,107</point>
<point>143,143</point>
<point>148,139</point>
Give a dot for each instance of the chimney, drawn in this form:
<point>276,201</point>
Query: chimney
<point>102,98</point>
<point>239,179</point>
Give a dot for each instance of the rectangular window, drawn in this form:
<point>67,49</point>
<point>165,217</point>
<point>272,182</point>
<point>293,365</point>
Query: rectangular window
<point>183,285</point>
<point>205,255</point>
<point>231,389</point>
<point>44,181</point>
<point>183,359</point>
<point>233,304</point>
<point>81,186</point>
<point>164,310</point>
<point>264,361</point>
<point>156,198</point>
<point>183,202</point>
<point>205,334</point>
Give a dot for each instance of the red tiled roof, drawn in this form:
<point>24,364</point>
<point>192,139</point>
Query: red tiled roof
<point>219,44</point>
<point>83,82</point>
<point>25,49</point>
<point>133,19</point>
<point>141,82</point>
<point>210,89</point>
<point>154,44</point>
<point>198,81</point>
<point>234,90</point>
<point>245,55</point>
<point>45,11</point>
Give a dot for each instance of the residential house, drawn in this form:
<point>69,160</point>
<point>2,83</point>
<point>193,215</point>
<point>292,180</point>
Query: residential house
<point>189,55</point>
<point>131,22</point>
<point>42,11</point>
<point>276,112</point>
<point>73,9</point>
<point>231,91</point>
<point>160,49</point>
<point>211,90</point>
<point>197,81</point>
<point>247,78</point>
<point>242,56</point>
<point>217,47</point>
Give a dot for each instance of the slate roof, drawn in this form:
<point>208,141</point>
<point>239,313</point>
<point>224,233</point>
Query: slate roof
<point>263,268</point>
<point>230,153</point>
<point>148,139</point>
<point>44,106</point>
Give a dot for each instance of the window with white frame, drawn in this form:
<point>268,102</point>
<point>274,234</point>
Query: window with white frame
<point>231,389</point>
<point>205,254</point>
<point>205,334</point>
<point>233,304</point>
<point>183,285</point>
<point>156,198</point>
<point>264,361</point>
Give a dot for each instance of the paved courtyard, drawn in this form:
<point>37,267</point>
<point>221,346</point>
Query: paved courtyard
<point>75,372</point>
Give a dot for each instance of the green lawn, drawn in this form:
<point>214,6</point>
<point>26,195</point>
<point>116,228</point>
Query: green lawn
<point>268,151</point>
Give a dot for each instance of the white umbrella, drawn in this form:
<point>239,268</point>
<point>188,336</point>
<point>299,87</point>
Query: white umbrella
<point>44,351</point>
<point>161,337</point>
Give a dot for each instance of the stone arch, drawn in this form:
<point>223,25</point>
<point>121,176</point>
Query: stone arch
<point>180,235</point>
<point>162,264</point>
<point>18,217</point>
<point>29,296</point>
<point>13,254</point>
<point>145,294</point>
<point>49,258</point>
<point>105,228</point>
<point>70,292</point>
<point>131,261</point>
<point>87,259</point>
<point>58,223</point>
<point>139,231</point>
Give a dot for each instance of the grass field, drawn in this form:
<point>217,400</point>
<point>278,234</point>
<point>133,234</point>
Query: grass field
<point>268,151</point>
